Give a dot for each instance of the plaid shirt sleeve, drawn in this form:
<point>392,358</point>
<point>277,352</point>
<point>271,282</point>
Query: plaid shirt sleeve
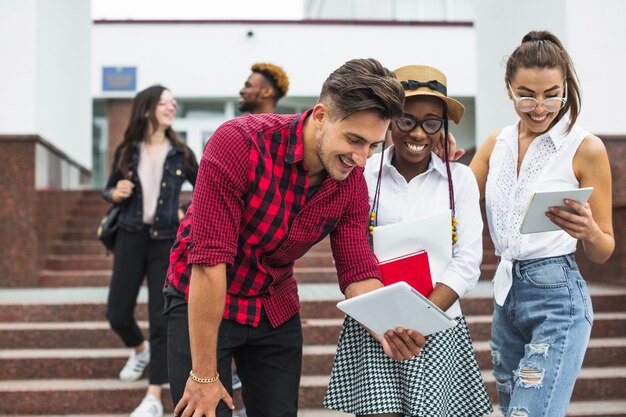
<point>218,198</point>
<point>354,258</point>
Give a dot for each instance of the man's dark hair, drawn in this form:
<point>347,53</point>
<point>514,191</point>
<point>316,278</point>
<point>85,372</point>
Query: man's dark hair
<point>363,85</point>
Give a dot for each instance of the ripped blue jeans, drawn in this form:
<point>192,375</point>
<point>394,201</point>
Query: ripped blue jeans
<point>539,337</point>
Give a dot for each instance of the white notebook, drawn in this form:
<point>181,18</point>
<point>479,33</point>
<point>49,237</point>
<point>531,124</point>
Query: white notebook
<point>535,219</point>
<point>430,233</point>
<point>396,305</point>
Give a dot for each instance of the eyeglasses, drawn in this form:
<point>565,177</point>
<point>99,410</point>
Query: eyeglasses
<point>528,104</point>
<point>171,102</point>
<point>408,123</point>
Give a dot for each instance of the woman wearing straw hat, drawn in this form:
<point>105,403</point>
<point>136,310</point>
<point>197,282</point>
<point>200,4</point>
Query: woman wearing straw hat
<point>542,312</point>
<point>406,182</point>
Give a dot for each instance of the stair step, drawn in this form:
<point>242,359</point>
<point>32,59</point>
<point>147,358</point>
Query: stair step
<point>78,262</point>
<point>487,271</point>
<point>62,396</point>
<point>316,331</point>
<point>601,352</point>
<point>47,304</point>
<point>103,260</point>
<point>591,384</point>
<point>608,384</point>
<point>303,412</point>
<point>89,278</point>
<point>77,247</point>
<point>318,359</point>
<point>106,363</point>
<point>62,363</point>
<point>95,210</point>
<point>55,396</point>
<point>76,278</point>
<point>97,334</point>
<point>83,222</point>
<point>316,259</point>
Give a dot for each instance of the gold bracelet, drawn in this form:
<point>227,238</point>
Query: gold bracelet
<point>204,380</point>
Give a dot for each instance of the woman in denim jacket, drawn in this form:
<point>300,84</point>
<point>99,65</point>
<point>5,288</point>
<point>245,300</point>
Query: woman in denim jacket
<point>149,169</point>
<point>542,312</point>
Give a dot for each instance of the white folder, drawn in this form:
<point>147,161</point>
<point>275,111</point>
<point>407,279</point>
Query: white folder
<point>431,233</point>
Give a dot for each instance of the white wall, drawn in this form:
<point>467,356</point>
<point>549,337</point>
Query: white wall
<point>593,33</point>
<point>597,43</point>
<point>18,49</point>
<point>213,60</point>
<point>500,27</point>
<point>64,104</point>
<point>45,74</point>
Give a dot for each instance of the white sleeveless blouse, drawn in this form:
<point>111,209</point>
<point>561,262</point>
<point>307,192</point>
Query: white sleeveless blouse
<point>547,165</point>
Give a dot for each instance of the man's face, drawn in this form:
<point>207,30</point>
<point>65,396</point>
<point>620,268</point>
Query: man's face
<point>252,93</point>
<point>345,144</point>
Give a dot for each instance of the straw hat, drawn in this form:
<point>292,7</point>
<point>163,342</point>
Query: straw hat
<point>421,80</point>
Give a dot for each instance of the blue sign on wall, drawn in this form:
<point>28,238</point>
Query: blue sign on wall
<point>119,78</point>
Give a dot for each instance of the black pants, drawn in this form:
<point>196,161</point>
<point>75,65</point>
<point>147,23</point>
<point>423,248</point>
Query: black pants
<point>137,256</point>
<point>269,362</point>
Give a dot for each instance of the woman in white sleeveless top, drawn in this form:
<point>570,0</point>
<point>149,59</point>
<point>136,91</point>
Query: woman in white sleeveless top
<point>542,311</point>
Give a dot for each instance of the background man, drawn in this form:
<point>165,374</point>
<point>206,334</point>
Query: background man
<point>266,85</point>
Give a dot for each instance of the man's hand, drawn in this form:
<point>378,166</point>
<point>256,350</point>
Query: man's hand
<point>202,399</point>
<point>207,291</point>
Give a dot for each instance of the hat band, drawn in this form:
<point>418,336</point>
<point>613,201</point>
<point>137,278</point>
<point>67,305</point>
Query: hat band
<point>433,85</point>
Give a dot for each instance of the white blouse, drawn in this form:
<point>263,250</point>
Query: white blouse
<point>547,165</point>
<point>428,194</point>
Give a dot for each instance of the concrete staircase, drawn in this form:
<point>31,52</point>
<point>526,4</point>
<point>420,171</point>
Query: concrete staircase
<point>59,357</point>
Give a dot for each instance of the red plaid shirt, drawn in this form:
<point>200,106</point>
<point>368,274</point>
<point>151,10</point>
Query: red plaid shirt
<point>250,211</point>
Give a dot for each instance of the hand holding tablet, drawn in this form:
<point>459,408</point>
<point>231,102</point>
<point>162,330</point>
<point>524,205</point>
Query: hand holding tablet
<point>396,305</point>
<point>535,220</point>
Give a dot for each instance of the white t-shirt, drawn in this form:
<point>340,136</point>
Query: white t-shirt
<point>150,172</point>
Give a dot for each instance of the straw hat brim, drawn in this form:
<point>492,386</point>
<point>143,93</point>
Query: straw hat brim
<point>424,74</point>
<point>455,109</point>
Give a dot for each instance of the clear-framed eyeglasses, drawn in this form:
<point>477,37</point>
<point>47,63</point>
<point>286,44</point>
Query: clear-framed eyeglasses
<point>528,104</point>
<point>171,102</point>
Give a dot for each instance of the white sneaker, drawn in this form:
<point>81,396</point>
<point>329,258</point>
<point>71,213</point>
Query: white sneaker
<point>135,365</point>
<point>236,382</point>
<point>150,407</point>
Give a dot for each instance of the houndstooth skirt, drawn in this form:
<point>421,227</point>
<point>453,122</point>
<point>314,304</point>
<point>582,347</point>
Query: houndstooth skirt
<point>444,380</point>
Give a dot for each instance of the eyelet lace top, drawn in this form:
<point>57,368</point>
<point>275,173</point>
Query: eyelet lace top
<point>547,165</point>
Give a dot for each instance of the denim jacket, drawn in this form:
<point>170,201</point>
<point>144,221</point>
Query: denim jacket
<point>175,172</point>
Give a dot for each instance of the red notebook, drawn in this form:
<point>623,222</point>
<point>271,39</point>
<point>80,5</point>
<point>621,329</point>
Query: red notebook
<point>412,269</point>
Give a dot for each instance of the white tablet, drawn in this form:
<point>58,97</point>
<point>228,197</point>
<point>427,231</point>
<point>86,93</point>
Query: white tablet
<point>535,219</point>
<point>396,305</point>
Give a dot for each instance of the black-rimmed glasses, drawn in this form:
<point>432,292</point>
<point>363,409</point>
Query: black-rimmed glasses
<point>528,104</point>
<point>408,123</point>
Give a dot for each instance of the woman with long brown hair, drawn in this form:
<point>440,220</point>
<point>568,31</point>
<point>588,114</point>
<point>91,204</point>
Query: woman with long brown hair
<point>149,169</point>
<point>542,311</point>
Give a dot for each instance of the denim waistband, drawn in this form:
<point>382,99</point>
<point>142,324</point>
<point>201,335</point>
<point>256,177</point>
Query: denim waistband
<point>569,260</point>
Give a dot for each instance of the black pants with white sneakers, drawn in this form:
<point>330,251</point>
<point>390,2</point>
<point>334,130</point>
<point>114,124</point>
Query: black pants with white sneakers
<point>136,257</point>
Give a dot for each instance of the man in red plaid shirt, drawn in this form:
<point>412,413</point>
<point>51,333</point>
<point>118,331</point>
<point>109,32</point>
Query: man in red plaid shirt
<point>269,188</point>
